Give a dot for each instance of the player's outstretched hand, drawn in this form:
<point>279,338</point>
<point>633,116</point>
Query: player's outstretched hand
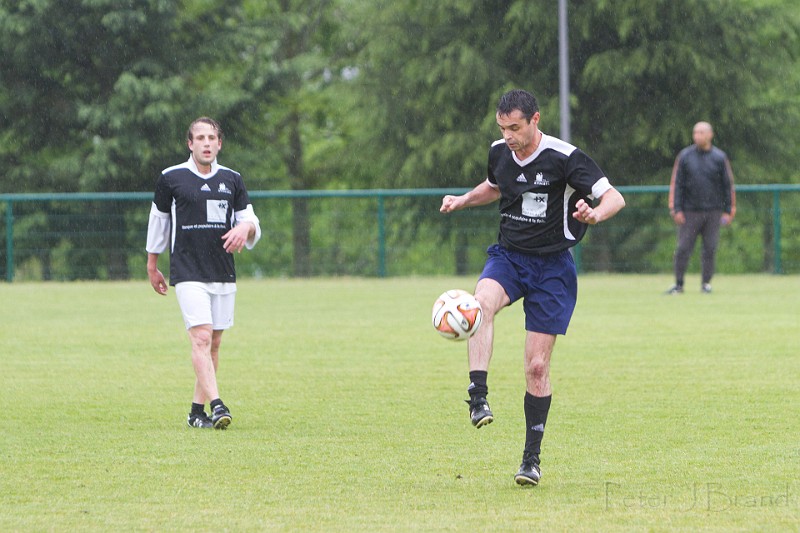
<point>584,213</point>
<point>449,203</point>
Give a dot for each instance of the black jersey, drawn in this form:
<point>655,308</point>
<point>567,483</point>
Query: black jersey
<point>202,208</point>
<point>538,195</point>
<point>703,181</point>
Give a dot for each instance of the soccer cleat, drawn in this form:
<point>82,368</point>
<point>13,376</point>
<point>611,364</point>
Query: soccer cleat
<point>200,420</point>
<point>479,412</point>
<point>706,288</point>
<point>221,417</point>
<point>675,289</point>
<point>529,472</point>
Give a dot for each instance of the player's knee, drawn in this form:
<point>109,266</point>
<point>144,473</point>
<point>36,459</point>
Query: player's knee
<point>537,369</point>
<point>487,311</point>
<point>201,337</point>
<point>491,302</point>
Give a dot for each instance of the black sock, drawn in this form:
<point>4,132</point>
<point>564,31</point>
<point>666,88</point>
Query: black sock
<point>477,387</point>
<point>215,403</point>
<point>197,408</point>
<point>536,409</point>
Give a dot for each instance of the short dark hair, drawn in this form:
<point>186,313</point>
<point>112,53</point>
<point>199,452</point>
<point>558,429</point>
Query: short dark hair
<point>518,100</point>
<point>210,121</point>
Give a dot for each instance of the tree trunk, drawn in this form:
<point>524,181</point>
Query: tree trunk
<point>117,260</point>
<point>462,258</point>
<point>301,227</point>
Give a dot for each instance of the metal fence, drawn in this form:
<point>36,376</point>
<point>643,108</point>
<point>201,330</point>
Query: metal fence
<point>381,232</point>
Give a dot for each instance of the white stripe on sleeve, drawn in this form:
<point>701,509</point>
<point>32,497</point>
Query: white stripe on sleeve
<point>157,231</point>
<point>600,188</point>
<point>248,215</point>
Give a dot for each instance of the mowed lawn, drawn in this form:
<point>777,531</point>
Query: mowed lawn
<point>669,412</point>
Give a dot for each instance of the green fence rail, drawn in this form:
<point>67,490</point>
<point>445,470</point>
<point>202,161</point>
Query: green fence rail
<point>642,198</point>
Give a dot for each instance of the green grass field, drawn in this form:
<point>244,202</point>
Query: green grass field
<point>669,412</point>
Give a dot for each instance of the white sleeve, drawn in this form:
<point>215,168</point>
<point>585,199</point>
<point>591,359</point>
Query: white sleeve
<point>600,188</point>
<point>157,231</point>
<point>248,215</point>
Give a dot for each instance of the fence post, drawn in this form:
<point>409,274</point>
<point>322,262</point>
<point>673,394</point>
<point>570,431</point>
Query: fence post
<point>381,237</point>
<point>9,241</point>
<point>776,230</point>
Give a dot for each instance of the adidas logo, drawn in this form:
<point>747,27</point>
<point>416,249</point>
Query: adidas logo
<point>538,427</point>
<point>205,188</point>
<point>522,179</point>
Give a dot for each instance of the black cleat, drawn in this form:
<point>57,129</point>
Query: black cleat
<point>199,421</point>
<point>479,412</point>
<point>675,289</point>
<point>221,417</point>
<point>529,472</point>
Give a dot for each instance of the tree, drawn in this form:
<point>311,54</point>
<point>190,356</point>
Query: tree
<point>642,74</point>
<point>287,70</point>
<point>85,90</point>
<point>646,72</point>
<point>429,73</point>
<point>95,95</point>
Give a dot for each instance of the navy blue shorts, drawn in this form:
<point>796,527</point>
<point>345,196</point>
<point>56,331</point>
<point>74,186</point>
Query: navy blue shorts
<point>548,284</point>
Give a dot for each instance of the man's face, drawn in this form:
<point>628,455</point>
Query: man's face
<point>702,135</point>
<point>519,134</point>
<point>204,144</point>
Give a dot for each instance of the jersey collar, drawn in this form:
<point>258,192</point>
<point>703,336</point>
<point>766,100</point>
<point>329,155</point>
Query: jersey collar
<point>534,155</point>
<point>191,165</point>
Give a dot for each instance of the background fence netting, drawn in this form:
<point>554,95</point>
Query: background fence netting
<point>377,233</point>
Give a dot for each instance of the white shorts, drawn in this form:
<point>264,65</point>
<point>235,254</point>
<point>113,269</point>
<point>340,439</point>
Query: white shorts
<point>206,303</point>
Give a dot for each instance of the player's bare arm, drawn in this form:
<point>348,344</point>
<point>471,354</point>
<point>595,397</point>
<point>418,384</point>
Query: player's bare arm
<point>610,204</point>
<point>481,195</point>
<point>157,279</point>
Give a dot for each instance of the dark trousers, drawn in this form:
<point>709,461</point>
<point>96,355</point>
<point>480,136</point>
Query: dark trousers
<point>705,224</point>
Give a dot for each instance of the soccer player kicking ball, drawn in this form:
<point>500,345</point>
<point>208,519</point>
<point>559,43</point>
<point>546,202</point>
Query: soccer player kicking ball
<point>546,189</point>
<point>201,210</point>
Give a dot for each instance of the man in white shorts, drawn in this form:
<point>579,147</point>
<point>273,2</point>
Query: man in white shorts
<point>202,211</point>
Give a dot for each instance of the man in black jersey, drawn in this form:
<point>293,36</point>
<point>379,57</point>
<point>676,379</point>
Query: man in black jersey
<point>545,189</point>
<point>701,199</point>
<point>201,210</point>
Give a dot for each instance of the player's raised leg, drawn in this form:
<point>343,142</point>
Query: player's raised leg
<point>492,298</point>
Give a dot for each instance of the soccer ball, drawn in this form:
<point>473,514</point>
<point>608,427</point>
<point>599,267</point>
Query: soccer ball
<point>456,315</point>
